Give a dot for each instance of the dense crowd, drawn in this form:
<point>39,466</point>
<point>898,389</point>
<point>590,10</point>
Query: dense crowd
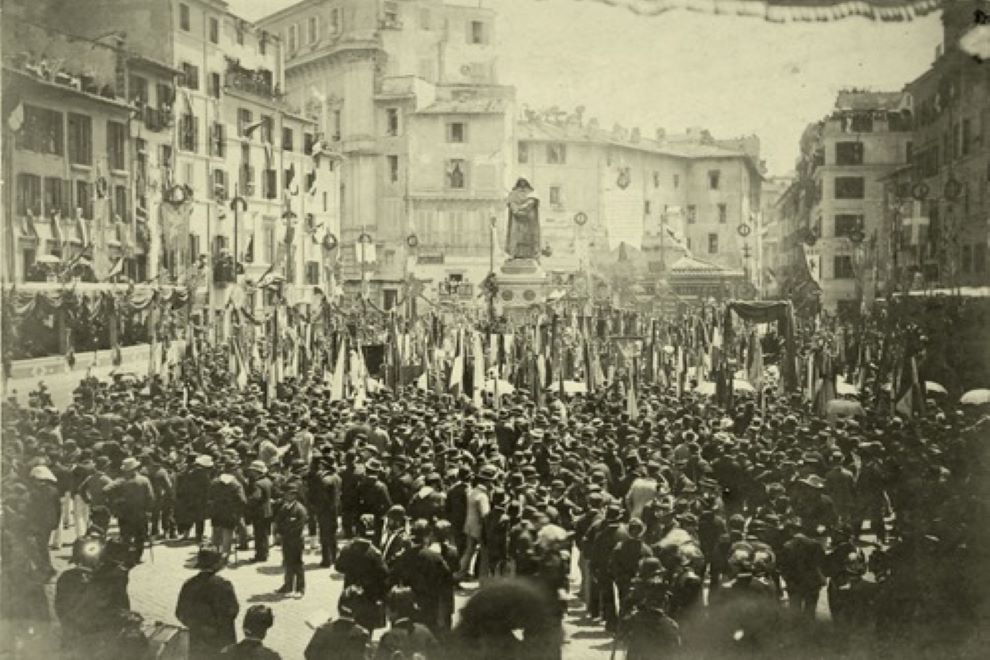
<point>694,529</point>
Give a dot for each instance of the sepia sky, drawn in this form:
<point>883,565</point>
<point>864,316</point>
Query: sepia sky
<point>728,74</point>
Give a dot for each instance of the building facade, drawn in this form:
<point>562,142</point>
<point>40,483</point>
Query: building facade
<point>940,206</point>
<point>226,131</point>
<point>407,95</point>
<point>856,148</point>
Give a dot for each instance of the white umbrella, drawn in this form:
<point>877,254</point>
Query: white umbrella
<point>708,387</point>
<point>570,387</point>
<point>504,386</point>
<point>933,387</point>
<point>976,397</point>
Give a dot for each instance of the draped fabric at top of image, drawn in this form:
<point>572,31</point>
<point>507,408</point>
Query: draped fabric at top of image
<point>788,10</point>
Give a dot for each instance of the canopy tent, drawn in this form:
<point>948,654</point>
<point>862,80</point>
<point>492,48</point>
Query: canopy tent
<point>780,11</point>
<point>780,312</point>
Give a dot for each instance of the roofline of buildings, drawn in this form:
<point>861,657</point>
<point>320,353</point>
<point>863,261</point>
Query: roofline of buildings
<point>117,103</point>
<point>285,11</point>
<point>151,62</point>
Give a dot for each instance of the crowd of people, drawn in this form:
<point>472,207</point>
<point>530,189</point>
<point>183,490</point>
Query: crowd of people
<point>686,529</point>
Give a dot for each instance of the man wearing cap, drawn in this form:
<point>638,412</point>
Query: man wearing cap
<point>208,606</point>
<point>290,525</point>
<point>132,498</point>
<point>258,510</point>
<point>192,496</point>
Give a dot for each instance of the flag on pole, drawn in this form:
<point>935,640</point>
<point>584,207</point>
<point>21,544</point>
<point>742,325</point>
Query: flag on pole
<point>456,384</point>
<point>479,370</point>
<point>754,362</point>
<point>337,383</point>
<point>16,118</point>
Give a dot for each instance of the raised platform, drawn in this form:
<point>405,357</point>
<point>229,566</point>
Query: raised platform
<point>522,287</point>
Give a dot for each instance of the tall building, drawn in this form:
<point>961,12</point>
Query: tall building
<point>407,95</point>
<point>769,231</point>
<point>855,149</point>
<point>231,133</point>
<point>67,155</point>
<point>940,205</point>
<point>669,195</point>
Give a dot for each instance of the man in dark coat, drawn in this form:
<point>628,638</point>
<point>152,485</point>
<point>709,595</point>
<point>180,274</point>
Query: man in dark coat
<point>226,507</point>
<point>424,571</point>
<point>258,511</point>
<point>406,637</point>
<point>361,564</point>
<point>395,539</point>
<point>163,514</point>
<point>324,497</point>
<point>192,496</point>
<point>208,607</point>
<point>132,499</point>
<point>802,563</point>
<point>624,562</point>
<point>373,497</point>
<point>257,620</point>
<point>341,638</point>
<point>43,513</point>
<point>290,525</point>
<point>457,505</point>
<point>611,533</point>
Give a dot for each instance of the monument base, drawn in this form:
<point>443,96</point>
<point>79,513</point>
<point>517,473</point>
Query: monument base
<point>522,287</point>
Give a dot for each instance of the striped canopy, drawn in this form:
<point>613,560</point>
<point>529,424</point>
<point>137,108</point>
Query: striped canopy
<point>788,10</point>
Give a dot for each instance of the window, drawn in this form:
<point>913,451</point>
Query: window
<point>849,187</point>
<point>291,40</point>
<point>677,181</point>
<point>392,121</point>
<point>456,132</point>
<point>80,139</point>
<point>84,199</point>
<point>656,179</point>
<point>120,204</point>
<point>163,95</point>
<point>312,30</point>
<point>908,151</point>
<point>312,272</point>
<point>646,207</point>
<point>243,120</point>
<point>424,19</point>
<point>57,196</point>
<point>41,131</point>
<point>336,125</point>
<point>165,156</point>
<point>842,267</point>
<point>456,178</point>
<point>523,153</point>
<point>393,168</point>
<point>476,32</point>
<point>391,13</point>
<point>334,20</point>
<point>214,30</point>
<point>862,123</point>
<point>188,133</point>
<point>269,184</point>
<point>194,249</point>
<point>556,153</point>
<point>215,85</point>
<point>138,90</point>
<point>713,179</point>
<point>184,17</point>
<point>325,204</point>
<point>692,214</point>
<point>847,224</point>
<point>246,182</point>
<point>723,214</point>
<point>287,139</point>
<point>190,76</point>
<point>240,38</point>
<point>219,184</point>
<point>267,128</point>
<point>308,141</point>
<point>555,195</point>
<point>218,140</point>
<point>116,139</point>
<point>712,243</point>
<point>848,153</point>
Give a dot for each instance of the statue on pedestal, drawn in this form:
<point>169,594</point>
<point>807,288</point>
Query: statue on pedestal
<point>523,236</point>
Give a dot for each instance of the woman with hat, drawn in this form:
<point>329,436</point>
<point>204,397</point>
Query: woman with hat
<point>208,606</point>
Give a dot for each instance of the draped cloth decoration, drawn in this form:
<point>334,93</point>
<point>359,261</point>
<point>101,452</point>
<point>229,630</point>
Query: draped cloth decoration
<point>781,11</point>
<point>779,312</point>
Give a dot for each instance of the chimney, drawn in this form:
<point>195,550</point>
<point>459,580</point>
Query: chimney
<point>634,137</point>
<point>661,134</point>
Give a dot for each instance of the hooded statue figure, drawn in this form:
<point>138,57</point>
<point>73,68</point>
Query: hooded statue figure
<point>523,238</point>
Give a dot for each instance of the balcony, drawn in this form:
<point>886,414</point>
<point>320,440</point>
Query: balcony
<point>259,82</point>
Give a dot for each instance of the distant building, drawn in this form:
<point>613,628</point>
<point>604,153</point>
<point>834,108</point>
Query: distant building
<point>769,232</point>
<point>406,93</point>
<point>866,138</point>
<point>671,196</point>
<point>940,205</point>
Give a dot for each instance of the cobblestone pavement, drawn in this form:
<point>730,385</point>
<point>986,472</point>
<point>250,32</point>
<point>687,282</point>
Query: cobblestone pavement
<point>155,584</point>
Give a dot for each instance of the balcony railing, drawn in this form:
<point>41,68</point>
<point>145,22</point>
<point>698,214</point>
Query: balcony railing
<point>260,82</point>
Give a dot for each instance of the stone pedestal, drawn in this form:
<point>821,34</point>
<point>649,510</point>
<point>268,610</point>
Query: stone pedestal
<point>522,287</point>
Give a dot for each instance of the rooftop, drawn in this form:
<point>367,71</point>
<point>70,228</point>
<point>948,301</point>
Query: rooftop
<point>854,100</point>
<point>478,106</point>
